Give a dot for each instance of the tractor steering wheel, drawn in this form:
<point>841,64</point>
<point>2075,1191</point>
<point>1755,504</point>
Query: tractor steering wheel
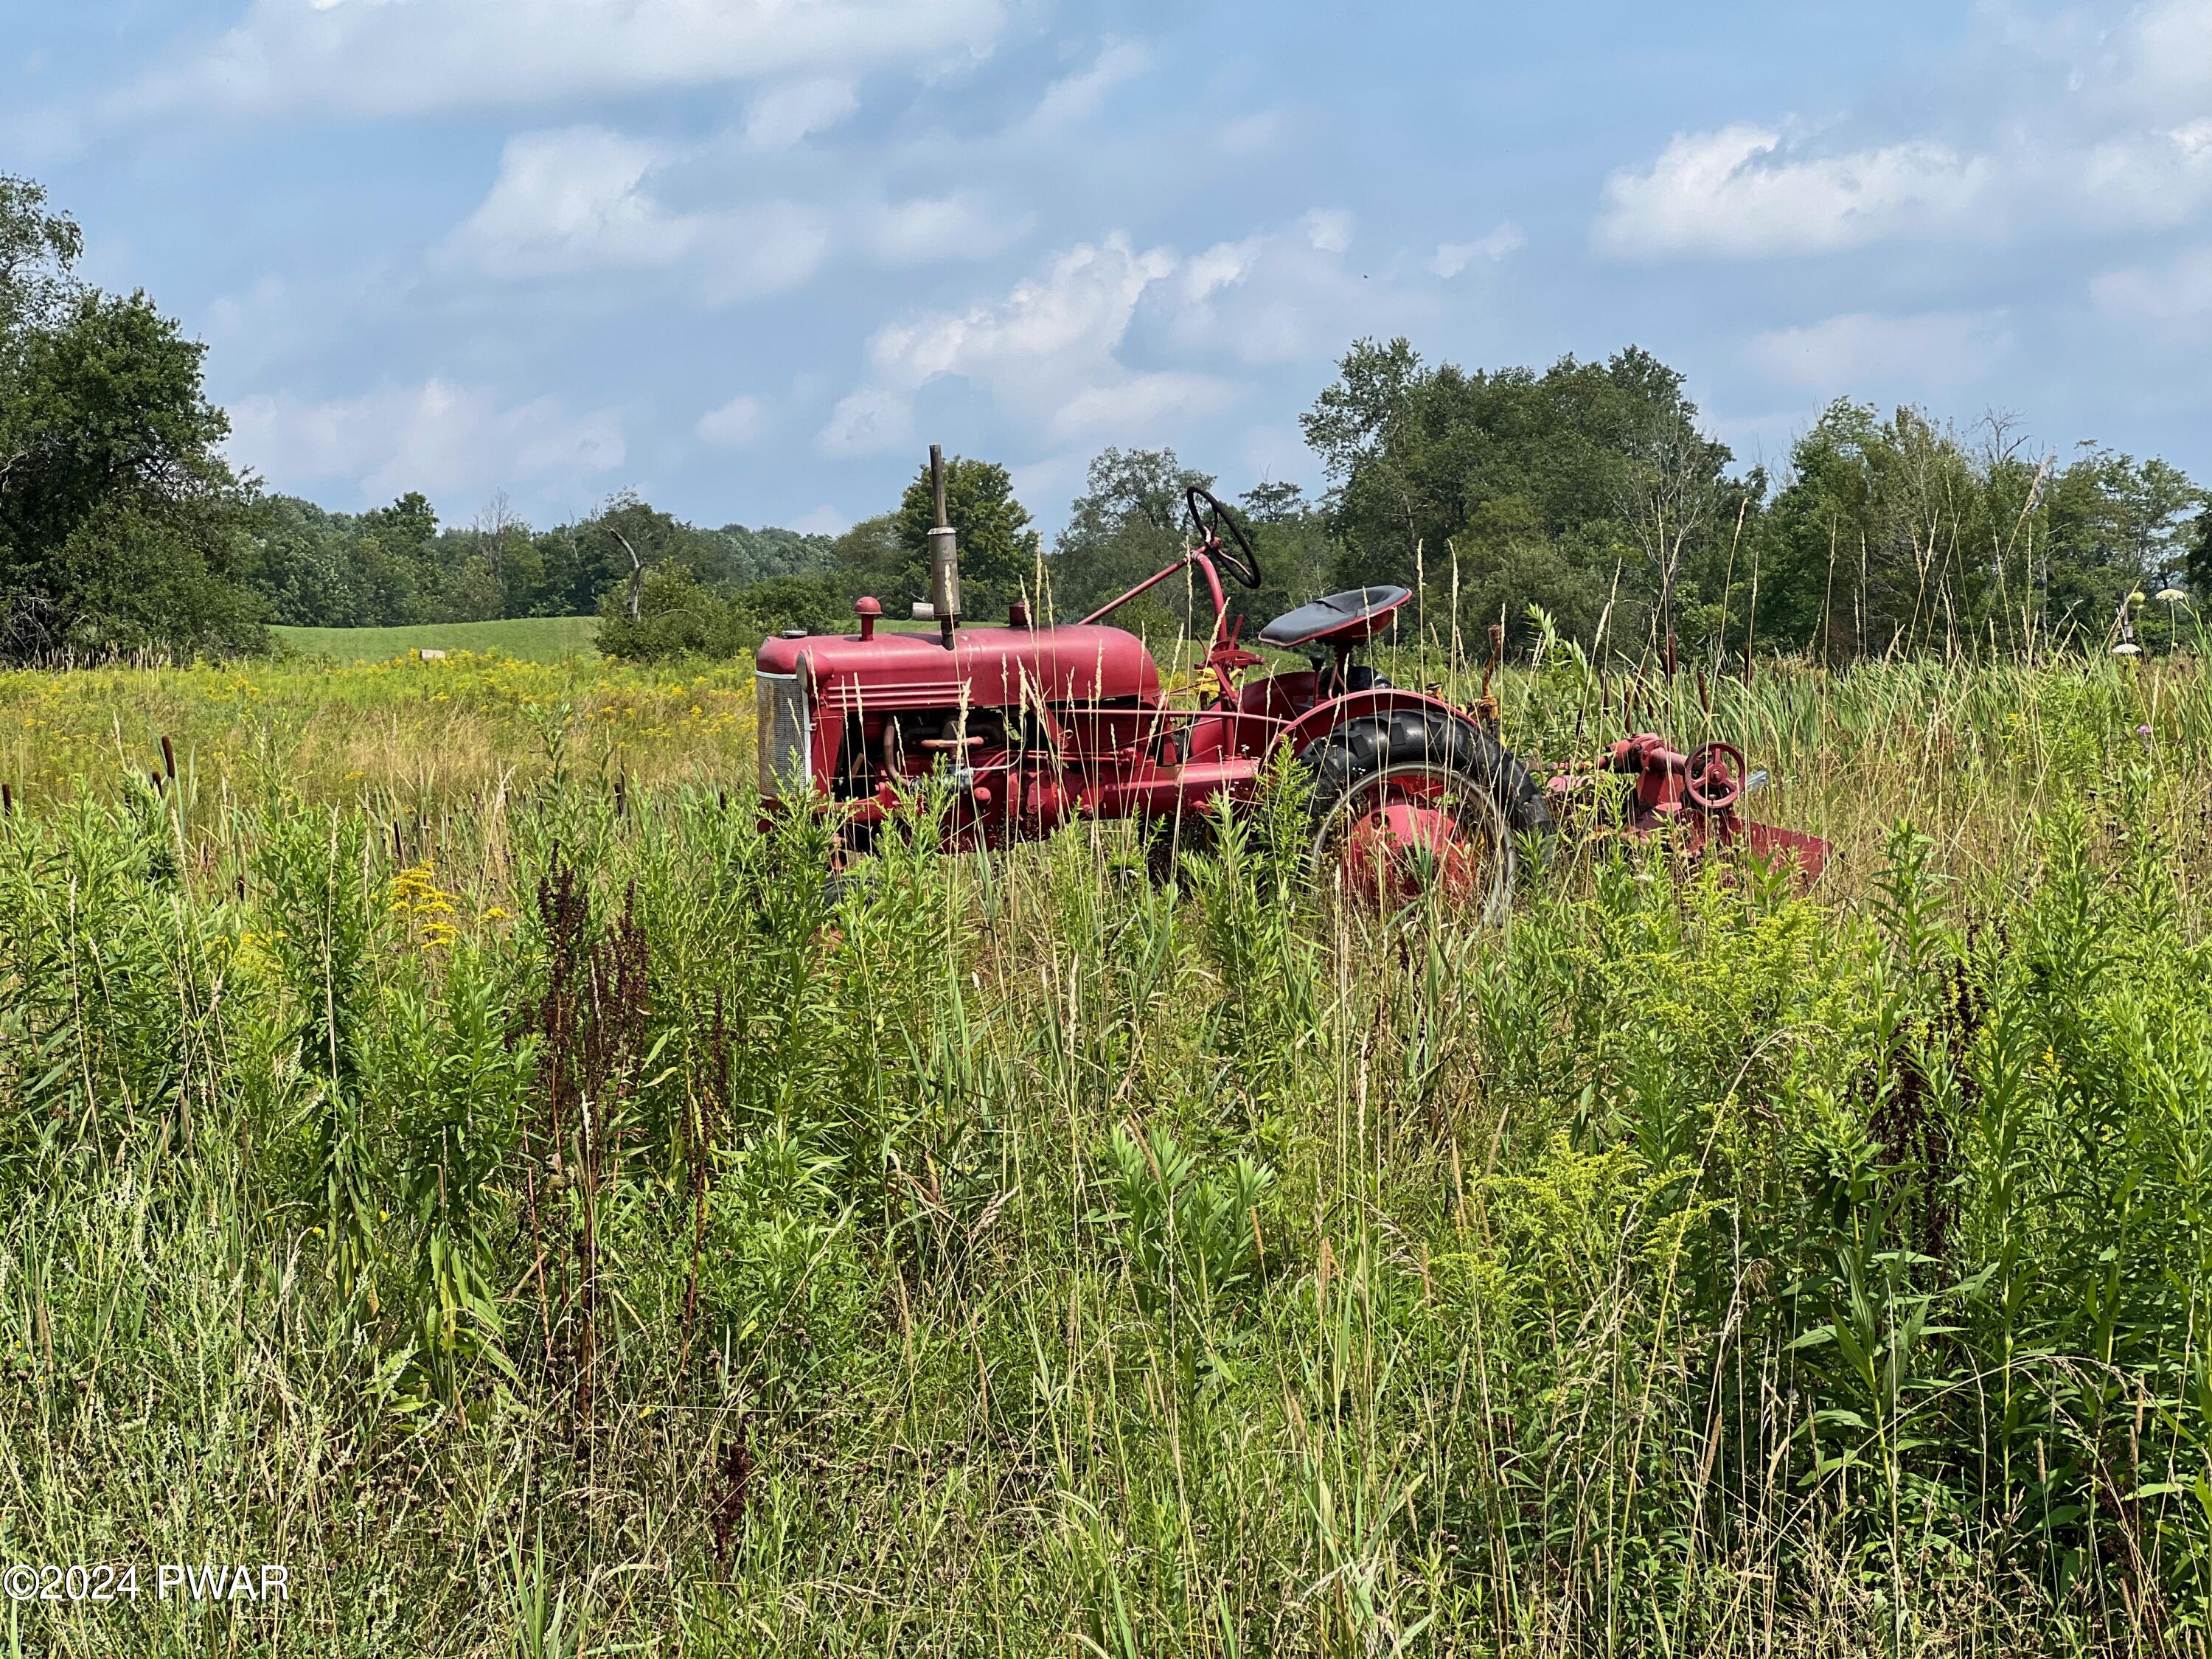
<point>1708,792</point>
<point>1210,520</point>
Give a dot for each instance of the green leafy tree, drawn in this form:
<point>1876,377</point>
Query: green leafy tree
<point>998,550</point>
<point>1897,535</point>
<point>678,616</point>
<point>305,567</point>
<point>871,559</point>
<point>1275,503</point>
<point>395,547</point>
<point>756,555</point>
<point>1297,555</point>
<point>121,527</point>
<point>38,252</point>
<point>1130,519</point>
<point>1587,489</point>
<point>629,536</point>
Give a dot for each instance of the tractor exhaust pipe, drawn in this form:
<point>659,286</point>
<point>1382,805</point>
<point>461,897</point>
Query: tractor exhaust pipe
<point>943,555</point>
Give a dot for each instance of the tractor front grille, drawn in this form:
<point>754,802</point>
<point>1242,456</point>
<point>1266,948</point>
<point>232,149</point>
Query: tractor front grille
<point>787,746</point>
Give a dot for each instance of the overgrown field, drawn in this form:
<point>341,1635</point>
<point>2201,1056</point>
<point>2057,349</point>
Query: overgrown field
<point>448,1150</point>
<point>397,735</point>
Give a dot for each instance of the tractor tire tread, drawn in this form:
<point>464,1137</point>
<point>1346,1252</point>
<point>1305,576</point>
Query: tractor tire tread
<point>1361,747</point>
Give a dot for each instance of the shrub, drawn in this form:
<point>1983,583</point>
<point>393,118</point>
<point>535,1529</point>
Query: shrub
<point>679,617</point>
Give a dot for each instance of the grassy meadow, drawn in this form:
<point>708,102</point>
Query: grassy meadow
<point>536,638</point>
<point>448,1149</point>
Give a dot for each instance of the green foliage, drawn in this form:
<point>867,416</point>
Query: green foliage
<point>394,566</point>
<point>1129,521</point>
<point>1587,489</point>
<point>322,938</point>
<point>1186,1235</point>
<point>39,249</point>
<point>459,1079</point>
<point>1897,535</point>
<point>998,550</point>
<point>1133,519</point>
<point>679,616</point>
<point>1045,1252</point>
<point>119,519</point>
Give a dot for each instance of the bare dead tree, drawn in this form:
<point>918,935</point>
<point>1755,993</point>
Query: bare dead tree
<point>637,571</point>
<point>1672,498</point>
<point>494,525</point>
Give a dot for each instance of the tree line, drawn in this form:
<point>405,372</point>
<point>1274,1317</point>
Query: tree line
<point>396,564</point>
<point>1588,490</point>
<point>1592,490</point>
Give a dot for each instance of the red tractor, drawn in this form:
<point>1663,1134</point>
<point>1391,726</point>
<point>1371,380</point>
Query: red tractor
<point>1030,727</point>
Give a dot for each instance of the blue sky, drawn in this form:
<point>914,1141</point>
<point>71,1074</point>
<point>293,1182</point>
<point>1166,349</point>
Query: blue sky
<point>750,256</point>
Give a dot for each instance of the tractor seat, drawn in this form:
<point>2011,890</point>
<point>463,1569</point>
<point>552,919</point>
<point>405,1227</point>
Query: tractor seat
<point>1340,618</point>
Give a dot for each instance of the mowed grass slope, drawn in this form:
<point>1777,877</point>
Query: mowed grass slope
<point>497,1181</point>
<point>534,639</point>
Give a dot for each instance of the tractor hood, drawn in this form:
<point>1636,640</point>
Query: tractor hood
<point>987,667</point>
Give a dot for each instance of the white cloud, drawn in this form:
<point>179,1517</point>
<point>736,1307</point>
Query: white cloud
<point>1450,259</point>
<point>763,249</point>
<point>1076,98</point>
<point>734,425</point>
<point>2175,294</point>
<point>923,231</point>
<point>1046,351</point>
<point>823,520</point>
<point>2082,123</point>
<point>571,200</point>
<point>781,118</point>
<point>1328,230</point>
<point>581,199</point>
<point>1138,400</point>
<point>2166,48</point>
<point>1743,193</point>
<point>868,422</point>
<point>1054,350</point>
<point>2152,178</point>
<point>1070,319</point>
<point>412,57</point>
<point>1046,486</point>
<point>439,437</point>
<point>1845,353</point>
<point>1287,296</point>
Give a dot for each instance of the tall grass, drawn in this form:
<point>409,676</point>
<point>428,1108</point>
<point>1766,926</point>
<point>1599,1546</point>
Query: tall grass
<point>538,1210</point>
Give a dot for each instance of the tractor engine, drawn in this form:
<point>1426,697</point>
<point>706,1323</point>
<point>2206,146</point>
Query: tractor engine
<point>1010,717</point>
<point>903,748</point>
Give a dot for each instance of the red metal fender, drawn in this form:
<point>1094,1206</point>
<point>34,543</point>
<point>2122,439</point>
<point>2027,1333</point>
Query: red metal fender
<point>1324,718</point>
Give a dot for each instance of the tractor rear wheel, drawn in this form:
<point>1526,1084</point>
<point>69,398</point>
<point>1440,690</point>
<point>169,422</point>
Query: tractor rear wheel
<point>1412,801</point>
